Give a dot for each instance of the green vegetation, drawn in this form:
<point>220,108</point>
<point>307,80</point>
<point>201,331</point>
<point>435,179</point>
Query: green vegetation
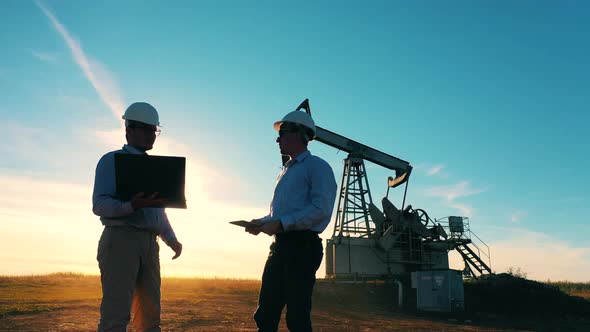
<point>581,289</point>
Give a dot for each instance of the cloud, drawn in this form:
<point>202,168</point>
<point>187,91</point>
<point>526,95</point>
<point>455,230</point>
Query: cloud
<point>28,195</point>
<point>48,149</point>
<point>438,170</point>
<point>435,170</point>
<point>109,139</point>
<point>97,74</point>
<point>45,57</point>
<point>451,192</point>
<point>465,210</point>
<point>518,215</point>
<point>541,256</point>
<point>47,219</point>
<point>24,143</point>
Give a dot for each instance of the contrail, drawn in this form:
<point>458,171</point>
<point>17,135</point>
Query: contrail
<point>98,76</point>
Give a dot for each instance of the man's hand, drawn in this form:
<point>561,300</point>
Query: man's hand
<point>139,201</point>
<point>177,247</point>
<point>271,227</point>
<point>255,227</point>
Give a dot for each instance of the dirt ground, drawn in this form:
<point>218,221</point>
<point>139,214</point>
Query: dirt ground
<point>71,303</point>
<point>227,314</point>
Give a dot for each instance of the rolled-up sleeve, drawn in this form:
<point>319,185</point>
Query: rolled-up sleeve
<point>166,232</point>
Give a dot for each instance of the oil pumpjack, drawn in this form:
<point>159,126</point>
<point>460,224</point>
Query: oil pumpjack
<point>373,244</point>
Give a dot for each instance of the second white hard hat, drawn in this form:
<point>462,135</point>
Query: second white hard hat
<point>142,112</point>
<point>298,117</point>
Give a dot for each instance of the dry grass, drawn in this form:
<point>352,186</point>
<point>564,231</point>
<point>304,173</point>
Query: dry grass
<point>70,302</point>
<point>581,289</point>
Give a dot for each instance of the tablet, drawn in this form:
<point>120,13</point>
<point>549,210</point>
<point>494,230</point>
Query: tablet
<point>242,223</point>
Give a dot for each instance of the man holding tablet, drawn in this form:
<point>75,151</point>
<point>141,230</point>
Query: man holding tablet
<point>300,210</point>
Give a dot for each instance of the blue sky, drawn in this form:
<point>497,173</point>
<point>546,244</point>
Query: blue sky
<point>486,99</point>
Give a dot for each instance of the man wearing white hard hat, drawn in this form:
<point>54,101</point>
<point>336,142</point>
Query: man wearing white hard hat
<point>300,210</point>
<point>128,251</point>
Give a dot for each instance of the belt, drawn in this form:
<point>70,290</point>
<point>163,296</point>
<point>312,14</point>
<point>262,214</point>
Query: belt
<point>132,228</point>
<point>305,235</point>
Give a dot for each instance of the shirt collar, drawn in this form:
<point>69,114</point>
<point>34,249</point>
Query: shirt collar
<point>132,150</point>
<point>299,158</point>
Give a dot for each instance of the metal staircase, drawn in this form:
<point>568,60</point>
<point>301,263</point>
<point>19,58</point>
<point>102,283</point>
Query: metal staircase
<point>472,259</point>
<point>475,253</point>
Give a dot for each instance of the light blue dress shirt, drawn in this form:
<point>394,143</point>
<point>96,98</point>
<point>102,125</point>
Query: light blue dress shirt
<point>304,195</point>
<point>114,212</point>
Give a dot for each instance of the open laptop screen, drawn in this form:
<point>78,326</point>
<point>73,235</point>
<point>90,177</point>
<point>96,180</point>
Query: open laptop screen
<point>136,173</point>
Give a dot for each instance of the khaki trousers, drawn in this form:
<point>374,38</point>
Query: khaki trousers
<point>129,263</point>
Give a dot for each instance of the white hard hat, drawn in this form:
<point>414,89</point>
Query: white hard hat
<point>142,112</point>
<point>298,117</point>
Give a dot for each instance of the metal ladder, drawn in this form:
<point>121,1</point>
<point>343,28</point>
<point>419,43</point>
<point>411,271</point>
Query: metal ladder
<point>469,256</point>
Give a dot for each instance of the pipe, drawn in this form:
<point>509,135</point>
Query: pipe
<point>400,293</point>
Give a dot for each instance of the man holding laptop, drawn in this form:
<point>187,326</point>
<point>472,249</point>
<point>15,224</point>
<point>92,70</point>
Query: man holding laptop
<point>128,251</point>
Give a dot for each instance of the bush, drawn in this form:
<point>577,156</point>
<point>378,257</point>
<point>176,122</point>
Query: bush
<point>508,294</point>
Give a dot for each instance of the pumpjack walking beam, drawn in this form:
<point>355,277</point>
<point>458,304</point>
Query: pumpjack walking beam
<point>401,167</point>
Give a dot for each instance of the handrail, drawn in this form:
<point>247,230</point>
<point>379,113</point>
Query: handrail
<point>480,252</point>
<point>467,234</point>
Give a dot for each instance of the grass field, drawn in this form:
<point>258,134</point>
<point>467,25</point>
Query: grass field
<point>573,288</point>
<point>70,302</point>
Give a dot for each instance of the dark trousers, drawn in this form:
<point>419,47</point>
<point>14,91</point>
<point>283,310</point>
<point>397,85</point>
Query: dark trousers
<point>288,279</point>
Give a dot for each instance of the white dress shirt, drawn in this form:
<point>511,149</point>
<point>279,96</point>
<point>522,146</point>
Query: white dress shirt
<point>304,195</point>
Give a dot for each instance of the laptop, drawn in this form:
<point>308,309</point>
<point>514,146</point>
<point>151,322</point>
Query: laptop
<point>136,173</point>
